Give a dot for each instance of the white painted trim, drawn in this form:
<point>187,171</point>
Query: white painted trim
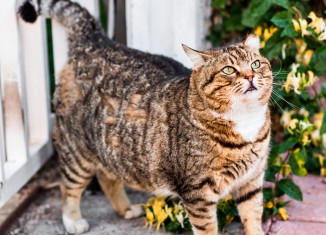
<point>161,26</point>
<point>19,175</point>
<point>13,89</point>
<point>111,18</point>
<point>2,141</point>
<point>34,44</point>
<point>24,101</point>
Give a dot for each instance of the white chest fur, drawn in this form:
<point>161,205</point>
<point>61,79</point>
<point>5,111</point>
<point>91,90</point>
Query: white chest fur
<point>248,119</point>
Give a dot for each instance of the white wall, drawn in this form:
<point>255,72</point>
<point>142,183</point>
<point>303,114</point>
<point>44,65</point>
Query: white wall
<point>161,26</point>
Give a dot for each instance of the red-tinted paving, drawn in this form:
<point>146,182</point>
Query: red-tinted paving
<point>309,216</point>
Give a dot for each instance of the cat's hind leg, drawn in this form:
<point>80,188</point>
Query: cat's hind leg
<point>76,173</point>
<point>115,193</point>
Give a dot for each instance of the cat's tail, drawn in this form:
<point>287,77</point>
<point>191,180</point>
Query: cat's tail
<point>71,15</point>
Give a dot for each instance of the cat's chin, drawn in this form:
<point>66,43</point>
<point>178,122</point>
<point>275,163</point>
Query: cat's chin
<point>250,95</point>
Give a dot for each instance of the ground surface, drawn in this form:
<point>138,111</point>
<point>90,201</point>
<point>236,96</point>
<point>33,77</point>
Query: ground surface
<point>43,216</point>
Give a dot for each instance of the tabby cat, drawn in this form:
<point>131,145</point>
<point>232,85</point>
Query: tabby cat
<point>144,120</point>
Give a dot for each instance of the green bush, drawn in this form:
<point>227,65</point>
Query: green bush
<point>293,35</point>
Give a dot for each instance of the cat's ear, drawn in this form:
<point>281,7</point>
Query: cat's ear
<point>198,58</point>
<point>252,42</point>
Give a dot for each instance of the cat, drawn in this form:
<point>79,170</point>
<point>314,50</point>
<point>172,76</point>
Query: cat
<point>146,121</point>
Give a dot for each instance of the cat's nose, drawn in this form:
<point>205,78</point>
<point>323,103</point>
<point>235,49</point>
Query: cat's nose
<point>249,77</point>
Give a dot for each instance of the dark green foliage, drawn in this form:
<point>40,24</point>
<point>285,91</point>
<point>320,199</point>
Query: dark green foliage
<point>290,188</point>
<point>50,58</point>
<point>285,146</point>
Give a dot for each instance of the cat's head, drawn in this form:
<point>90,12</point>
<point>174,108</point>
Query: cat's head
<point>236,73</point>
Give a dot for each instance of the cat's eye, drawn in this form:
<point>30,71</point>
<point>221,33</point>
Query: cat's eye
<point>228,70</point>
<point>255,64</point>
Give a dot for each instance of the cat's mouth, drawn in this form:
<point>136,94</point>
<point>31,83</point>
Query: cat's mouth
<point>251,88</point>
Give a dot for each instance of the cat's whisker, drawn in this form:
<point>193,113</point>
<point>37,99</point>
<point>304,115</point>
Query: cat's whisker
<point>281,97</point>
<point>279,71</point>
<point>273,102</point>
<point>277,103</point>
<point>277,83</point>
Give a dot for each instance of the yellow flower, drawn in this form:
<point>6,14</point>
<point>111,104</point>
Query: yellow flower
<point>282,212</point>
<point>269,205</point>
<point>295,25</point>
<point>228,198</point>
<point>161,218</point>
<point>315,137</point>
<point>322,36</point>
<point>293,80</point>
<point>268,32</point>
<point>229,219</point>
<point>301,46</point>
<point>323,171</point>
<point>292,125</point>
<point>323,137</point>
<point>306,57</point>
<point>311,77</point>
<point>285,119</point>
<point>157,209</point>
<point>304,112</point>
<point>303,27</point>
<point>318,120</point>
<point>258,31</point>
<point>177,208</point>
<point>303,56</point>
<point>317,23</point>
<point>304,125</point>
<point>320,159</point>
<point>180,218</point>
<point>150,217</point>
<point>305,139</point>
<point>286,170</point>
<point>168,210</point>
<point>283,51</point>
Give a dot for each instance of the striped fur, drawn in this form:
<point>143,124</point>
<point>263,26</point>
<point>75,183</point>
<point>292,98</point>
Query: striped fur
<point>144,120</point>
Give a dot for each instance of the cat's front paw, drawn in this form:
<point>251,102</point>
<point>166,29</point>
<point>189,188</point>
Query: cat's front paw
<point>75,226</point>
<point>134,212</point>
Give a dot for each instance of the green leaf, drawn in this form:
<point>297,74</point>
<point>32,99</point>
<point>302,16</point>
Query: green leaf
<point>281,204</point>
<point>268,194</point>
<point>275,211</point>
<point>273,155</point>
<point>173,227</point>
<point>278,192</point>
<point>285,146</point>
<point>282,19</point>
<point>273,46</point>
<point>296,162</point>
<point>323,126</point>
<point>227,207</point>
<point>323,89</point>
<point>218,4</point>
<point>283,3</point>
<point>270,173</point>
<point>288,31</point>
<point>303,151</point>
<point>221,217</point>
<point>255,11</point>
<point>318,61</point>
<point>290,188</point>
<point>231,19</point>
